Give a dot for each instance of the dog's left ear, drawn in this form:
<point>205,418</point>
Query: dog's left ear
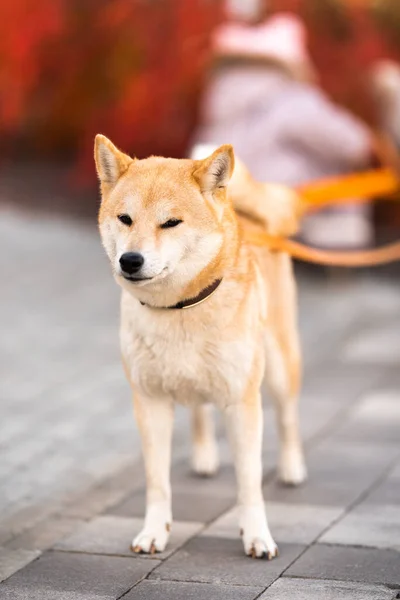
<point>214,172</point>
<point>111,163</point>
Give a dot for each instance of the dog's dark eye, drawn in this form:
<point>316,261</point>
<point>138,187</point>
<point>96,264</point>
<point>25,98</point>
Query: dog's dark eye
<point>171,223</point>
<point>125,219</point>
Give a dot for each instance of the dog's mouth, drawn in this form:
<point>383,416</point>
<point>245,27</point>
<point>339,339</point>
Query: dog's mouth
<point>136,279</point>
<point>143,280</point>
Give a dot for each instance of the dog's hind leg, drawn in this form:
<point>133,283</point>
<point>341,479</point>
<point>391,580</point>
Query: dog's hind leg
<point>283,368</point>
<point>205,460</point>
<point>282,376</point>
<point>155,421</point>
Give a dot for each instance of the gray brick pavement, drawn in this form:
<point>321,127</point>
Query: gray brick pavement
<point>291,523</point>
<point>71,476</point>
<point>314,589</point>
<point>367,526</point>
<point>109,535</point>
<point>12,560</point>
<point>59,575</point>
<point>221,560</point>
<point>159,590</point>
<point>366,565</point>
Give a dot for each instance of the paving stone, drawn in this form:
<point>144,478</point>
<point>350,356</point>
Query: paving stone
<point>367,525</point>
<point>339,471</point>
<point>44,535</point>
<point>27,517</point>
<point>222,484</point>
<point>290,523</point>
<point>367,565</point>
<point>314,589</point>
<point>13,560</point>
<point>186,505</point>
<point>388,492</point>
<point>337,302</point>
<point>113,535</point>
<point>338,381</point>
<point>329,390</point>
<point>113,489</point>
<point>183,480</point>
<point>377,344</point>
<point>218,560</point>
<point>391,380</point>
<point>375,419</point>
<point>59,576</point>
<point>174,590</point>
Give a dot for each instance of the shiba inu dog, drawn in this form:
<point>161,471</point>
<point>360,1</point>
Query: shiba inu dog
<point>203,316</point>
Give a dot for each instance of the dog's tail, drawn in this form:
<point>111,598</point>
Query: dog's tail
<point>276,207</point>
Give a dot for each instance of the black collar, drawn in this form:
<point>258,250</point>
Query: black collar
<point>203,295</point>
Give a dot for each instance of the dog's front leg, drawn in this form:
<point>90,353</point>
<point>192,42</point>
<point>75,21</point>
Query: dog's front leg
<point>244,423</point>
<point>155,422</point>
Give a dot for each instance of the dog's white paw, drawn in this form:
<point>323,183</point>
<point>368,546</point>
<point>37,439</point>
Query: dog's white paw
<point>292,469</point>
<point>261,548</point>
<point>257,539</point>
<point>155,533</point>
<point>205,459</point>
<point>150,542</point>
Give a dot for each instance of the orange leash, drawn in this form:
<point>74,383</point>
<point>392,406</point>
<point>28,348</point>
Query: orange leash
<point>360,258</point>
<point>360,186</point>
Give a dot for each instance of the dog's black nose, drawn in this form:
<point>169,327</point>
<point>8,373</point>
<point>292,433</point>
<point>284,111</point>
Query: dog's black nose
<point>131,262</point>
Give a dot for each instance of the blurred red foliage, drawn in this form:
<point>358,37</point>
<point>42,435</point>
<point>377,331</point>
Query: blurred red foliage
<point>131,69</point>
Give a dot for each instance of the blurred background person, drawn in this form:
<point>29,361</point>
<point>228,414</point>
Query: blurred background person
<point>352,43</point>
<point>263,98</point>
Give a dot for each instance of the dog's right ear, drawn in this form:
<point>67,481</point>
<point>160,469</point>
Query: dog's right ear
<point>214,172</point>
<point>111,163</point>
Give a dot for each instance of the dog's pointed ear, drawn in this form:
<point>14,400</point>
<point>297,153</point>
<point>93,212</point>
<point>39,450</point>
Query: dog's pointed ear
<point>215,171</point>
<point>111,163</point>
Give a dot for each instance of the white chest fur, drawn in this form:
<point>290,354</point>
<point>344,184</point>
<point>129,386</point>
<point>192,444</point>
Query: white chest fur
<point>171,354</point>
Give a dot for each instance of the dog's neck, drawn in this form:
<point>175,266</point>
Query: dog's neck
<point>190,302</point>
<point>171,292</point>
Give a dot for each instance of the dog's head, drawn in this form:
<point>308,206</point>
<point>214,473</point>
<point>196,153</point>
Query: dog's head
<point>160,218</point>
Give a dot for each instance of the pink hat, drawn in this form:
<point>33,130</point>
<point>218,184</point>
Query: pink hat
<point>282,38</point>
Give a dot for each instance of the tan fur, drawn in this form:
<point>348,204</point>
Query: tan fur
<point>214,353</point>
